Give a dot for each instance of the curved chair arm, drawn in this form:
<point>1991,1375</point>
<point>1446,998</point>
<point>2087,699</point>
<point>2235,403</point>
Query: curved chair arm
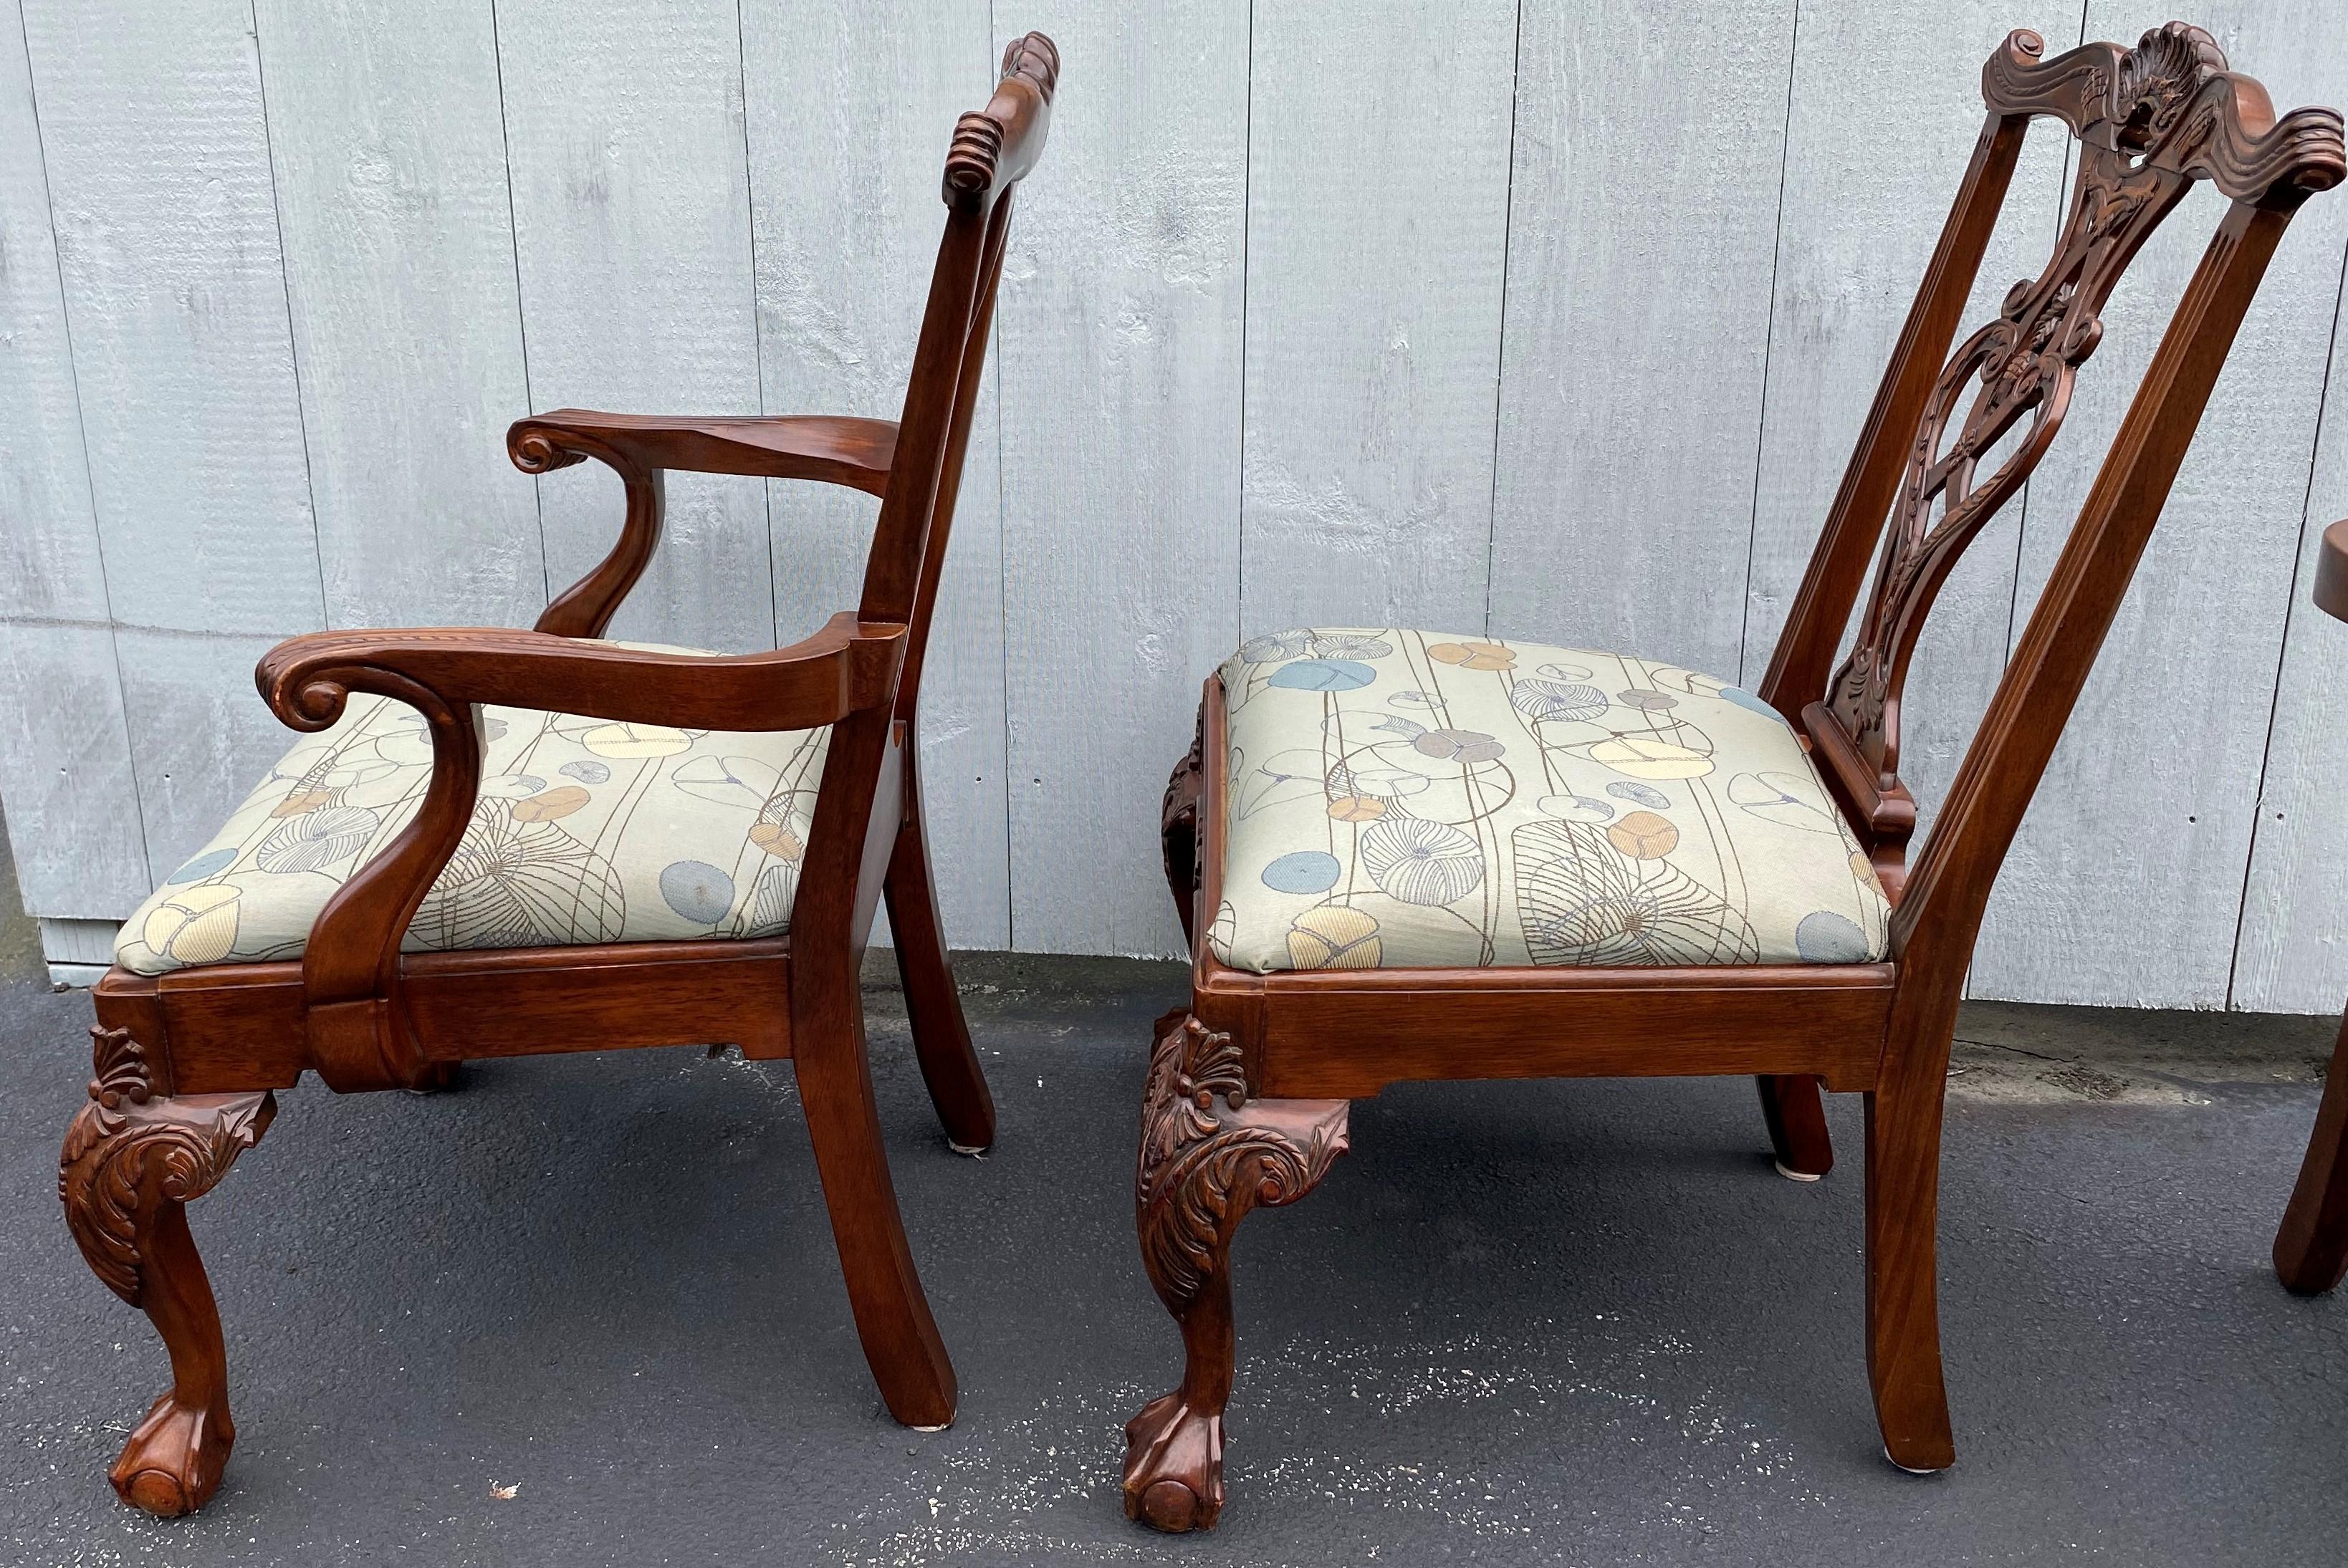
<point>837,450</point>
<point>350,967</point>
<point>833,450</point>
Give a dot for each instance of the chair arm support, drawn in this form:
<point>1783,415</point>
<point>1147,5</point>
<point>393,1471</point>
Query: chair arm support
<point>835,450</point>
<point>359,1037</point>
<point>640,448</point>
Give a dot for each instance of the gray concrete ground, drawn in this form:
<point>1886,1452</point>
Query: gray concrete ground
<point>1575,1323</point>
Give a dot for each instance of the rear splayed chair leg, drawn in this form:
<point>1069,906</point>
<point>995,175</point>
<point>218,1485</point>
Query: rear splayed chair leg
<point>1797,1118</point>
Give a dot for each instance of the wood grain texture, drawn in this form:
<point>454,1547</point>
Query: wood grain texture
<point>845,107</point>
<point>1632,377</point>
<point>1850,250</point>
<point>632,227</point>
<point>158,159</point>
<point>1376,239</point>
<point>157,151</point>
<point>1121,374</point>
<point>399,267</point>
<point>51,568</point>
<point>169,122</point>
<point>2293,954</point>
<point>75,828</point>
<point>64,753</point>
<point>2155,789</point>
<point>201,739</point>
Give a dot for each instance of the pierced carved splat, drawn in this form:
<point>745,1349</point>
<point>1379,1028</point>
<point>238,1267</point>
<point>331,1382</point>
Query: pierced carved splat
<point>2149,121</point>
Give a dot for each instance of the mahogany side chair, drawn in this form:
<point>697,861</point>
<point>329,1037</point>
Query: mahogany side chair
<point>1401,854</point>
<point>500,843</point>
<point>2311,1247</point>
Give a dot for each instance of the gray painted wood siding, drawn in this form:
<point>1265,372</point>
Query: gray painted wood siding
<point>1579,357</point>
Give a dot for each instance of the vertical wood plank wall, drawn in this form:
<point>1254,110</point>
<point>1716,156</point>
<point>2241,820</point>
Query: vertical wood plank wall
<point>1498,316</point>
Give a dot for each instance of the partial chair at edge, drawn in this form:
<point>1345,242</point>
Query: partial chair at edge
<point>280,950</point>
<point>1449,902</point>
<point>2310,1246</point>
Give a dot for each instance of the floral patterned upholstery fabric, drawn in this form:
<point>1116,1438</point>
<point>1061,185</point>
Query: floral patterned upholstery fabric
<point>1407,800</point>
<point>585,831</point>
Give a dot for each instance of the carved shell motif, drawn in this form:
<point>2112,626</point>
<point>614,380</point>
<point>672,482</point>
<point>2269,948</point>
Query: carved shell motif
<point>2159,80</point>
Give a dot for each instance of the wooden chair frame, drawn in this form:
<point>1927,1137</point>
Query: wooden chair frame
<point>1248,1091</point>
<point>187,1061</point>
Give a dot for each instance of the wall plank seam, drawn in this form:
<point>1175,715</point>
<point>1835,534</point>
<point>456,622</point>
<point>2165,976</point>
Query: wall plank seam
<point>1768,344</point>
<point>2282,646</point>
<point>1313,437</point>
<point>65,311</point>
<point>757,336</point>
<point>292,338</point>
<point>996,46</point>
<point>2022,503</point>
<point>1247,263</point>
<point>1507,233</point>
<point>521,310</point>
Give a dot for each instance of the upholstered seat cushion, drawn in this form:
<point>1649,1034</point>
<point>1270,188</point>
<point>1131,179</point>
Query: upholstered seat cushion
<point>1407,800</point>
<point>585,831</point>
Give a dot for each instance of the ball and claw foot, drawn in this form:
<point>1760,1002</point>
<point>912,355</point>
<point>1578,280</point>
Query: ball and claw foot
<point>133,1160</point>
<point>173,1462</point>
<point>1174,1466</point>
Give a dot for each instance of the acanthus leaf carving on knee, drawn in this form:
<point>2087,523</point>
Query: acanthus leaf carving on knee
<point>128,1136</point>
<point>1200,1171</point>
<point>1209,1154</point>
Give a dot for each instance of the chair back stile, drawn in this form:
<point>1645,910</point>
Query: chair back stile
<point>941,510</point>
<point>1928,474</point>
<point>849,841</point>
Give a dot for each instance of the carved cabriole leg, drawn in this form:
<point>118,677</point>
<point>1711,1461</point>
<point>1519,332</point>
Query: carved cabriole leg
<point>1209,1154</point>
<point>1796,1119</point>
<point>133,1160</point>
<point>1178,833</point>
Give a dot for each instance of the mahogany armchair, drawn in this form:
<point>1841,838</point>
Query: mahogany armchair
<point>506,843</point>
<point>1405,855</point>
